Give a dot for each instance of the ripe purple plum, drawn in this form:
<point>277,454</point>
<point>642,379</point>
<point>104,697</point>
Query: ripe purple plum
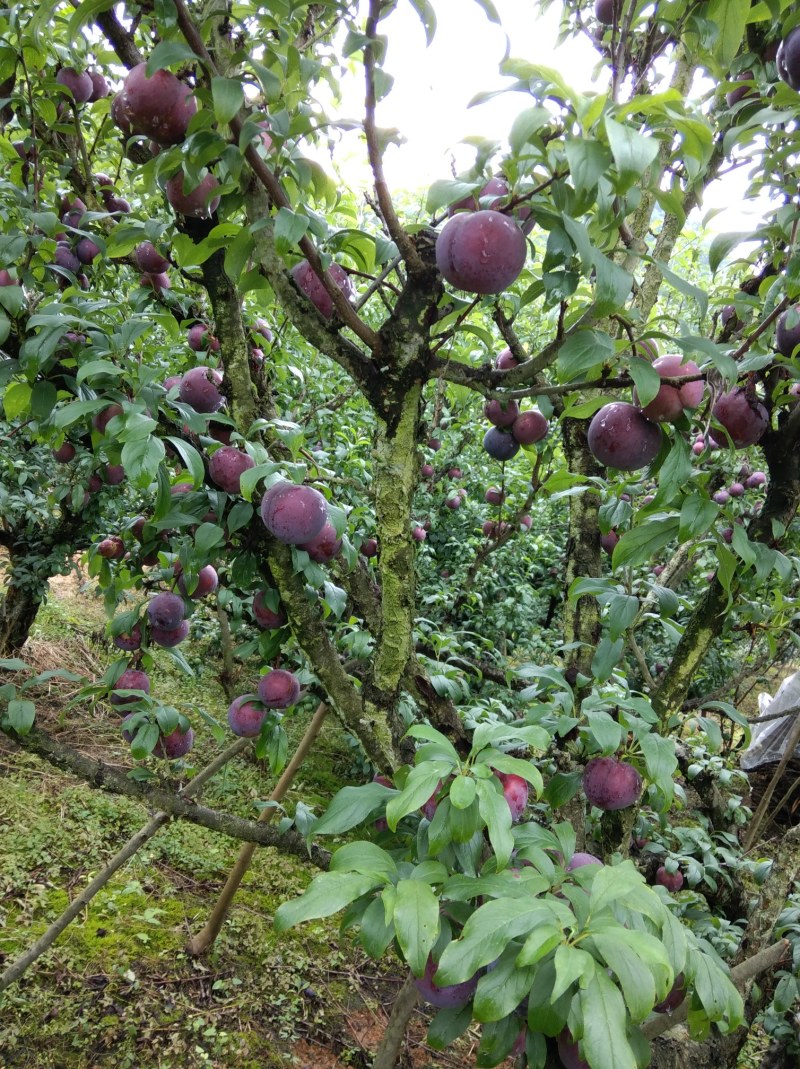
<point>787,338</point>
<point>741,92</point>
<point>131,679</point>
<point>115,474</point>
<point>419,534</point>
<point>169,637</point>
<point>501,413</point>
<point>227,466</point>
<point>129,640</point>
<point>530,427</point>
<point>673,881</point>
<point>453,996</point>
<point>77,83</point>
<point>177,744</point>
<point>112,548</point>
<point>611,784</point>
<point>156,283</point>
<point>87,250</point>
<point>515,792</point>
<point>426,470</point>
<point>149,260</point>
<point>198,201</point>
<point>758,478</point>
<point>568,1050</point>
<point>788,59</point>
<point>325,546</point>
<point>494,496</point>
<point>675,997</point>
<point>200,338</point>
<point>102,419</point>
<point>434,444</point>
<point>99,87</point>
<point>721,497</point>
<point>499,444</point>
<point>268,619</point>
<point>166,610</point>
<point>198,389</point>
<point>619,436</point>
<point>65,258</point>
<point>309,283</point>
<point>369,547</point>
<point>159,107</point>
<point>608,541</point>
<point>526,522</point>
<point>279,689</point>
<point>207,583</point>
<point>65,453</point>
<point>453,502</point>
<point>293,514</point>
<point>481,252</point>
<point>744,418</point>
<point>506,360</point>
<point>670,401</point>
<point>496,187</point>
<point>736,489</point>
<point>578,860</point>
<point>246,715</point>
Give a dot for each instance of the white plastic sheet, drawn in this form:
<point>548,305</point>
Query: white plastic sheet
<point>768,740</point>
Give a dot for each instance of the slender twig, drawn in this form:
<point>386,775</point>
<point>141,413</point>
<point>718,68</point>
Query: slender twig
<point>388,1053</point>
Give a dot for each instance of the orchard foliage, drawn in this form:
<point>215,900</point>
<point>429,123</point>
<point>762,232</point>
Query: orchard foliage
<point>233,384</point>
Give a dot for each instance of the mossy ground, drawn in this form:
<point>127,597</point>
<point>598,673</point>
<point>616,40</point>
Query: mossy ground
<point>118,989</point>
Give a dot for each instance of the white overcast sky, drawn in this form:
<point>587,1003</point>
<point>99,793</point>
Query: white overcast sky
<point>433,86</point>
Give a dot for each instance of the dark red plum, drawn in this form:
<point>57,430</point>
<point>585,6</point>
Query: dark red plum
<point>207,583</point>
<point>419,534</point>
<point>246,715</point>
<point>515,792</point>
<point>279,689</point>
<point>493,496</point>
<point>673,881</point>
<point>117,206</point>
<point>293,514</point>
<point>149,260</point>
<point>130,640</point>
<point>325,546</point>
<point>65,453</point>
<point>166,611</point>
<point>369,547</point>
<point>426,470</point>
<point>87,250</point>
<point>501,413</point>
<point>115,474</point>
<point>177,744</point>
<point>198,389</point>
<point>102,419</point>
<point>675,997</point>
<point>608,541</point>
<point>198,202</point>
<point>506,360</point>
<point>619,436</point>
<point>99,87</point>
<point>156,283</point>
<point>496,187</point>
<point>611,784</point>
<point>502,445</point>
<point>788,59</point>
<point>578,860</point>
<point>227,466</point>
<point>112,548</point>
<point>200,338</point>
<point>309,283</point>
<point>453,502</point>
<point>131,679</point>
<point>453,996</point>
<point>758,478</point>
<point>481,252</point>
<point>159,107</point>
<point>265,617</point>
<point>788,338</point>
<point>568,1050</point>
<point>168,637</point>
<point>741,92</point>
<point>65,258</point>
<point>670,401</point>
<point>744,419</point>
<point>77,83</point>
<point>530,427</point>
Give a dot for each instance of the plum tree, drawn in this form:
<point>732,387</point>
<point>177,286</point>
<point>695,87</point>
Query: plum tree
<point>482,252</point>
<point>621,437</point>
<point>293,514</point>
<point>610,783</point>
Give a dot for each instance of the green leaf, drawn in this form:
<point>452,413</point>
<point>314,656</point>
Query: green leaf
<point>207,537</point>
<point>643,544</point>
<point>682,286</point>
<point>239,516</point>
<point>427,17</point>
<point>462,792</point>
<point>544,1016</point>
<point>335,598</point>
<point>497,1037</point>
<point>503,762</point>
<point>606,730</point>
<point>526,124</point>
<point>351,806</point>
<point>191,458</point>
<point>375,935</point>
<point>730,16</point>
<point>486,934</point>
<point>660,761</point>
<point>723,244</point>
<point>633,152</point>
<point>21,715</point>
<point>367,858</point>
<point>16,400</point>
<point>169,54</point>
<point>495,811</point>
<point>501,990</point>
<point>606,657</point>
<point>605,1041</point>
<point>416,922</point>
<point>714,988</point>
<point>611,883</point>
<point>635,978</point>
<point>571,964</point>
<point>327,894</point>
<point>238,253</point>
<point>421,783</point>
<point>228,97</point>
<point>698,513</point>
<point>539,944</point>
<point>646,378</point>
<point>588,160</point>
<point>448,1025</point>
<point>141,460</point>
<point>621,611</point>
<point>425,731</point>
<point>582,353</point>
<point>446,191</point>
<point>612,284</point>
<point>289,228</point>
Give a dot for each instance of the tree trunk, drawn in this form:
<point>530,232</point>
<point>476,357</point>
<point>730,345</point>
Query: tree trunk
<point>18,608</point>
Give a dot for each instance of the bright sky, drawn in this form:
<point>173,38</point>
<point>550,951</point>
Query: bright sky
<point>433,86</point>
